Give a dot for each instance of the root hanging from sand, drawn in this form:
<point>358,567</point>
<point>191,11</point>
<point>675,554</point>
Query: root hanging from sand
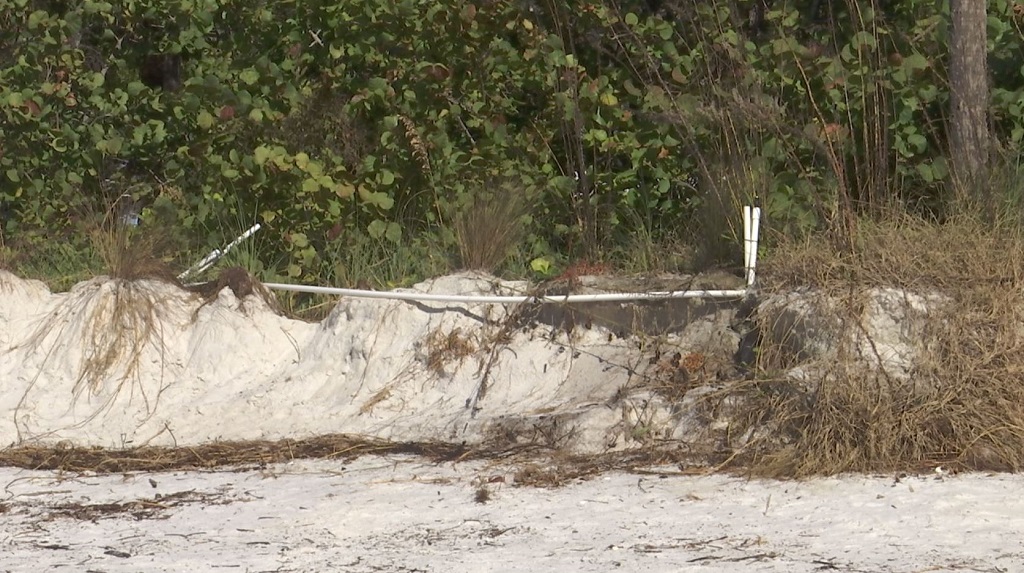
<point>104,329</point>
<point>242,285</point>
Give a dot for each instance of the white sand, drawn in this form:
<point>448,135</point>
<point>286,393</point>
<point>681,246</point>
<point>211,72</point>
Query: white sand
<point>401,514</point>
<point>233,369</point>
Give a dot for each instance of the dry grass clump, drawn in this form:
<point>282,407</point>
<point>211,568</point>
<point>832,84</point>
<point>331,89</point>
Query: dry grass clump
<point>132,253</point>
<point>488,230</point>
<point>961,255</point>
<point>6,255</point>
<point>482,495</point>
<point>963,406</point>
<point>106,328</point>
<point>677,374</point>
<point>122,317</point>
<point>444,348</point>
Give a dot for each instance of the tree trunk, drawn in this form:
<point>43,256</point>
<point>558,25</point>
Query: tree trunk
<point>968,79</point>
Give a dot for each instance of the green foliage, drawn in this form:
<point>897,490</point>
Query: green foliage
<point>361,261</point>
<point>543,267</point>
<point>384,120</point>
<point>58,264</point>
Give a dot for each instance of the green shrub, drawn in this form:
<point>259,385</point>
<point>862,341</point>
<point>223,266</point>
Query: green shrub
<point>385,118</point>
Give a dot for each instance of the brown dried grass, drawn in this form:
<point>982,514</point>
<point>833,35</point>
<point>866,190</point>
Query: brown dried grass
<point>6,256</point>
<point>125,319</point>
<point>133,253</point>
<point>536,467</point>
<point>116,320</point>
<point>488,230</point>
<point>112,323</point>
<point>964,408</point>
<point>240,454</point>
<point>444,348</point>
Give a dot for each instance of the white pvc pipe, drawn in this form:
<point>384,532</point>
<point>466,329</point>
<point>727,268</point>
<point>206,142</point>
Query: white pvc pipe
<point>746,243</point>
<point>751,235</point>
<point>215,254</point>
<point>509,299</point>
<point>755,237</point>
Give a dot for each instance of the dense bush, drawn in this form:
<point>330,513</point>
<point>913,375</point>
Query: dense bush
<point>329,121</point>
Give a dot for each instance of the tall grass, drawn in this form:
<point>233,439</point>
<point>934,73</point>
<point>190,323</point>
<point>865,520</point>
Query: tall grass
<point>490,228</point>
<point>964,403</point>
<point>132,253</point>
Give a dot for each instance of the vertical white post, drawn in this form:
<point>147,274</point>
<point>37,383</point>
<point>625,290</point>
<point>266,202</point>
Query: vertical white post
<point>746,242</point>
<point>755,236</point>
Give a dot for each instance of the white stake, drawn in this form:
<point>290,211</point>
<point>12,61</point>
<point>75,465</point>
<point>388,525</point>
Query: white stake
<point>746,242</point>
<point>755,236</point>
<point>215,254</point>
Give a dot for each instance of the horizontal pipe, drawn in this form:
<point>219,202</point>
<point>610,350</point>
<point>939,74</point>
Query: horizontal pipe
<point>751,224</point>
<point>505,299</point>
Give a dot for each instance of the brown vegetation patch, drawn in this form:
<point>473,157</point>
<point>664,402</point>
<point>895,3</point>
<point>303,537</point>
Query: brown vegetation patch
<point>963,407</point>
<point>123,323</point>
<point>537,466</point>
<point>445,348</point>
<point>241,283</point>
<point>559,470</point>
<point>674,376</point>
<point>115,321</point>
<point>144,508</point>
<point>490,228</point>
<point>132,253</point>
<point>242,455</point>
